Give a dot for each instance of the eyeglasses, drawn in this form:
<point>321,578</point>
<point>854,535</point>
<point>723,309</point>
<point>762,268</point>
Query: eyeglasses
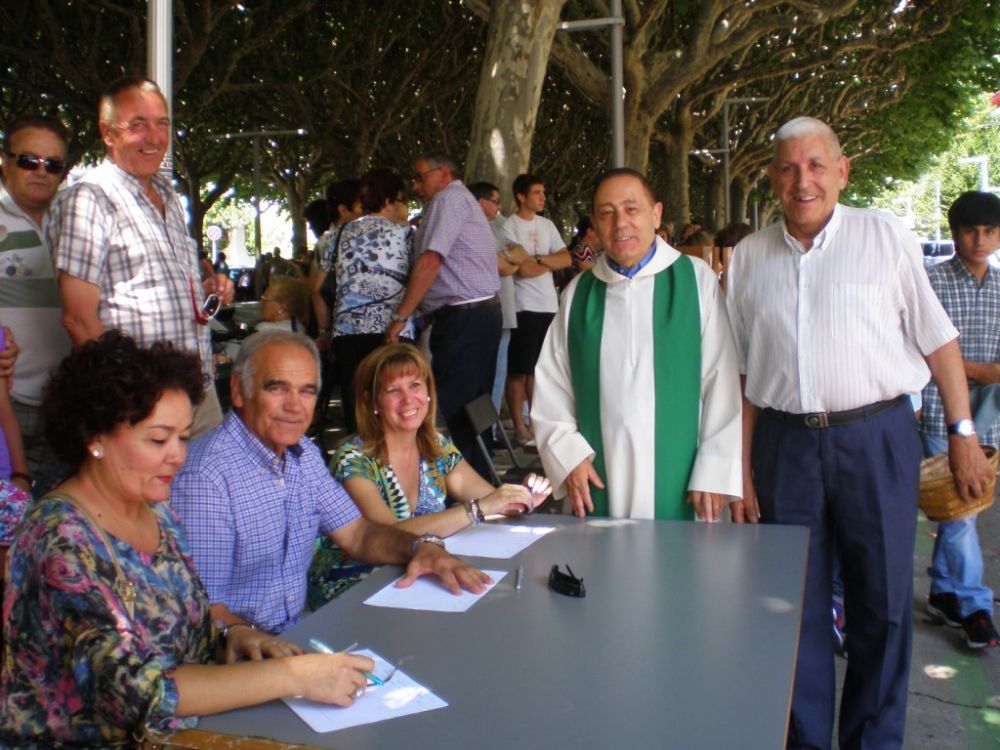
<point>566,584</point>
<point>208,309</point>
<point>419,176</point>
<point>494,201</point>
<point>31,163</point>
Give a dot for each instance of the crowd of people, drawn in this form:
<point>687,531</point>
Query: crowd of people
<point>169,545</point>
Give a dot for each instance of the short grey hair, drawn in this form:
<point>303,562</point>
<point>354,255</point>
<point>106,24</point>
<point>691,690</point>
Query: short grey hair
<point>804,126</point>
<point>440,159</point>
<point>107,106</point>
<point>243,368</point>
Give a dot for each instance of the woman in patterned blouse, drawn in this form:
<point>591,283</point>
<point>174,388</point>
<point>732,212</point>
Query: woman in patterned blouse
<point>373,264</point>
<point>399,469</point>
<point>107,631</point>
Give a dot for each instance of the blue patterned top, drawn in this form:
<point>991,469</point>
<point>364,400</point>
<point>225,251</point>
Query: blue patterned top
<point>373,265</point>
<point>252,519</point>
<point>78,671</point>
<point>332,571</point>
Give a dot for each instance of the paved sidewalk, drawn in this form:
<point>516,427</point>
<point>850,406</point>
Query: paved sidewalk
<point>954,699</point>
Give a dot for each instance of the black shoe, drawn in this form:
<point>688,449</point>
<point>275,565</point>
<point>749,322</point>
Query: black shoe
<point>944,608</point>
<point>979,630</point>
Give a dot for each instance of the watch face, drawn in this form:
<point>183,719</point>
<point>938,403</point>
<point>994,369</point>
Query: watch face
<point>963,427</point>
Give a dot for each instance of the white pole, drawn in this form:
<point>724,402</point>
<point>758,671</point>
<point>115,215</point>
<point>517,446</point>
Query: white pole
<point>159,62</point>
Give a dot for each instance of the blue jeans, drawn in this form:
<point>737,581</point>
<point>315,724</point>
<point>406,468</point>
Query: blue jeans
<point>957,564</point>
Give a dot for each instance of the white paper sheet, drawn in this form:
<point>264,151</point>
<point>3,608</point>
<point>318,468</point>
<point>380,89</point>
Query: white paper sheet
<point>400,696</point>
<point>427,593</point>
<point>495,540</point>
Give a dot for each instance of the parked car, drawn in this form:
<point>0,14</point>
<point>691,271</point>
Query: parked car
<point>937,251</point>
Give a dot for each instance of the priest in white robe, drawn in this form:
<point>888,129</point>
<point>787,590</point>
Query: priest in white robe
<point>637,407</point>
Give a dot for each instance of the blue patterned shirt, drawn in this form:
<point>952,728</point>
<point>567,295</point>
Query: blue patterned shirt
<point>372,266</point>
<point>252,519</point>
<point>975,312</point>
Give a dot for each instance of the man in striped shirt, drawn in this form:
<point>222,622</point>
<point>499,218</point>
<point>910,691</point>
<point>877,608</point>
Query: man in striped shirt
<point>121,244</point>
<point>835,323</point>
<point>33,166</point>
<point>969,290</point>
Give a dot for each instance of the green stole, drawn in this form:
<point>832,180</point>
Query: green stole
<point>676,324</point>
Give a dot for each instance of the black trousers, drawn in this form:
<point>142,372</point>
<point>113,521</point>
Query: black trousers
<point>464,346</point>
<point>350,350</point>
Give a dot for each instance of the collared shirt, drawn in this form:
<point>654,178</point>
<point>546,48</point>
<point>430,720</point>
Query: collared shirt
<point>628,273</point>
<point>29,300</point>
<point>455,227</point>
<point>106,231</point>
<point>842,325</point>
<point>252,519</point>
<point>975,311</point>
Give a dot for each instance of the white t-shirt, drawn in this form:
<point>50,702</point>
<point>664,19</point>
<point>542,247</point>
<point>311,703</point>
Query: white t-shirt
<point>538,236</point>
<point>507,303</point>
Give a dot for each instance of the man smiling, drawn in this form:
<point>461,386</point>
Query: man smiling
<point>637,389</point>
<point>120,239</point>
<point>836,323</point>
<point>255,493</point>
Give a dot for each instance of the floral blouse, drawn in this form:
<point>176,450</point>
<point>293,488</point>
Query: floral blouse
<point>77,670</point>
<point>332,571</point>
<point>373,265</point>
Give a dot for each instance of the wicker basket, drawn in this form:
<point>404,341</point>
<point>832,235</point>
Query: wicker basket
<point>939,499</point>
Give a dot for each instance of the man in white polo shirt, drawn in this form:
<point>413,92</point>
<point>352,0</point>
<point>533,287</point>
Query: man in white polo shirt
<point>535,295</point>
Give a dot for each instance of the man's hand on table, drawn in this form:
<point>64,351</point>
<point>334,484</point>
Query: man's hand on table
<point>455,574</point>
<point>746,510</point>
<point>578,484</point>
<point>707,505</point>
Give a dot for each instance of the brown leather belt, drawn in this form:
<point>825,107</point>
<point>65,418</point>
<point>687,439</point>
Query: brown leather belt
<point>819,419</point>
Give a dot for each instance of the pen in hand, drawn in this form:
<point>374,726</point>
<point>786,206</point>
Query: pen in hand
<point>321,648</point>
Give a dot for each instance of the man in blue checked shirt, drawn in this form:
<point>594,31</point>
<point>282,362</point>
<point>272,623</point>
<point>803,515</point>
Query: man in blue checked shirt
<point>969,290</point>
<point>255,493</point>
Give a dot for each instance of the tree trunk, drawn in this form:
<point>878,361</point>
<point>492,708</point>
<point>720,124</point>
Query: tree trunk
<point>677,197</point>
<point>715,200</point>
<point>741,196</point>
<point>510,88</point>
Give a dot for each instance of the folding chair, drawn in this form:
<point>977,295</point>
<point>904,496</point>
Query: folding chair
<point>483,416</point>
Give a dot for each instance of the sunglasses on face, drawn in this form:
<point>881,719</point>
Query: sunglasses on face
<point>31,163</point>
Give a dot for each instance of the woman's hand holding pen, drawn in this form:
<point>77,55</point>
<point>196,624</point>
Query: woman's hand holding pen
<point>339,678</point>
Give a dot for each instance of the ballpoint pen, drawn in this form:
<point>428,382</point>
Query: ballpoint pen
<point>519,578</point>
<point>321,648</point>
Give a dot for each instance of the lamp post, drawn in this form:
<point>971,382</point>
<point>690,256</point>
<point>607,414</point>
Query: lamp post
<point>616,23</point>
<point>256,135</point>
<point>725,146</point>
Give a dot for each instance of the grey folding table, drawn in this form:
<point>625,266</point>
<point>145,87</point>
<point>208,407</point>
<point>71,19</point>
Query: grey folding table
<point>686,639</point>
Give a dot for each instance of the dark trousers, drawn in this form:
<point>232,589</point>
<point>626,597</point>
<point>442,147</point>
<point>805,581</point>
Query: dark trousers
<point>350,350</point>
<point>464,346</point>
<point>855,487</point>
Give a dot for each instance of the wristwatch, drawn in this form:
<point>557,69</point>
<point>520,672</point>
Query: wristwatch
<point>429,538</point>
<point>963,427</point>
<point>397,318</point>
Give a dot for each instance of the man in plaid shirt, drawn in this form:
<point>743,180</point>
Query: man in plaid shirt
<point>969,290</point>
<point>119,237</point>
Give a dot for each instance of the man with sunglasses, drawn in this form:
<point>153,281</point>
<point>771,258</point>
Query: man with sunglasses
<point>32,165</point>
<point>121,243</point>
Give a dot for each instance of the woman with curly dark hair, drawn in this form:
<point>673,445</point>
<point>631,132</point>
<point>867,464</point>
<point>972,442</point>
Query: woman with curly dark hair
<point>106,625</point>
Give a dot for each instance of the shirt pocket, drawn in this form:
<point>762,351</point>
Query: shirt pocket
<point>859,312</point>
